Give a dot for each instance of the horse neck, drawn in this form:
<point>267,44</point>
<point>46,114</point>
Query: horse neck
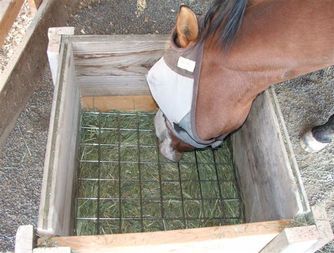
<point>278,40</point>
<point>284,39</point>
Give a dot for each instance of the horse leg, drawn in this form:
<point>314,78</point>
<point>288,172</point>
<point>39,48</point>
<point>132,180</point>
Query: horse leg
<point>319,137</point>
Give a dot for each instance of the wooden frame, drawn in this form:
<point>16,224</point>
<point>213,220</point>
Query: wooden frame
<point>114,67</point>
<point>235,238</point>
<point>18,81</point>
<point>54,35</point>
<point>9,9</point>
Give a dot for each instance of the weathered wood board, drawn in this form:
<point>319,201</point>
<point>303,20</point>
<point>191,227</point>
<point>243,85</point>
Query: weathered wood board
<point>119,103</point>
<point>117,68</point>
<point>8,13</point>
<point>250,238</point>
<point>264,170</point>
<point>61,153</point>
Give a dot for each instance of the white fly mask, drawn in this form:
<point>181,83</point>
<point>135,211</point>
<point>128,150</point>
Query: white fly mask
<point>173,92</point>
<point>173,82</point>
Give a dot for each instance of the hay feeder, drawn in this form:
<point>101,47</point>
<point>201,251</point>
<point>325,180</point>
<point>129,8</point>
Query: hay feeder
<point>107,73</point>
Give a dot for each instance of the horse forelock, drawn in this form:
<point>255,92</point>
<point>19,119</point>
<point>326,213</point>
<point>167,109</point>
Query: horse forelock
<point>224,19</point>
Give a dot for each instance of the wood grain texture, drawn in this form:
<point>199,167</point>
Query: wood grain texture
<point>289,150</point>
<point>54,35</point>
<point>119,103</point>
<point>100,44</point>
<point>235,238</point>
<point>323,226</point>
<point>293,240</point>
<point>303,239</point>
<point>9,9</point>
<point>113,86</point>
<point>18,81</point>
<point>116,65</point>
<point>268,187</point>
<point>55,215</point>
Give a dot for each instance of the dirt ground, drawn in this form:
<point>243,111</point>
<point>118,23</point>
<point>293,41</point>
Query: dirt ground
<point>305,102</point>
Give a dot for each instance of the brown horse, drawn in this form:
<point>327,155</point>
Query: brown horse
<point>231,55</point>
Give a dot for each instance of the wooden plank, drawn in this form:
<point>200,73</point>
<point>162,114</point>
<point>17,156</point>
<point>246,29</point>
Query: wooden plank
<point>24,239</point>
<point>145,103</point>
<point>100,44</point>
<point>137,54</point>
<point>18,81</point>
<point>293,240</point>
<point>54,35</point>
<point>304,239</point>
<point>61,153</point>
<point>87,103</point>
<point>248,238</point>
<point>120,103</point>
<point>263,168</point>
<point>324,227</point>
<point>289,150</point>
<point>113,86</point>
<point>116,65</point>
<point>9,9</point>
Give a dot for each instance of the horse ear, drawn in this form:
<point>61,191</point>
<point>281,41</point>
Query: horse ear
<point>186,27</point>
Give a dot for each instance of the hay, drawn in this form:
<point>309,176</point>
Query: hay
<point>125,185</point>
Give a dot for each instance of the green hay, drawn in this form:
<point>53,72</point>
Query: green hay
<point>125,185</point>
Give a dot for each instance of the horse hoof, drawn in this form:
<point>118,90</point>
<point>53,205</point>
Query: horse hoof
<point>168,152</point>
<point>160,126</point>
<point>310,144</point>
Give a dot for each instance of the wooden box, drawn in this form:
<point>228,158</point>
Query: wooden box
<point>95,68</point>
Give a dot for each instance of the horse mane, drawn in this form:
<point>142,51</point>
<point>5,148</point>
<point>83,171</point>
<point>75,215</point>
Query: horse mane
<point>224,18</point>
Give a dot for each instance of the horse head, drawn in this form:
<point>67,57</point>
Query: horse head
<point>216,65</point>
<point>173,78</point>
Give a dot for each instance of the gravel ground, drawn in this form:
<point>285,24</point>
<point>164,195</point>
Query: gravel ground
<point>21,160</point>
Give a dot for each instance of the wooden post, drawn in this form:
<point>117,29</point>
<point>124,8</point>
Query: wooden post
<point>323,226</point>
<point>54,34</point>
<point>24,239</point>
<point>293,240</point>
<point>8,13</point>
<point>304,239</point>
